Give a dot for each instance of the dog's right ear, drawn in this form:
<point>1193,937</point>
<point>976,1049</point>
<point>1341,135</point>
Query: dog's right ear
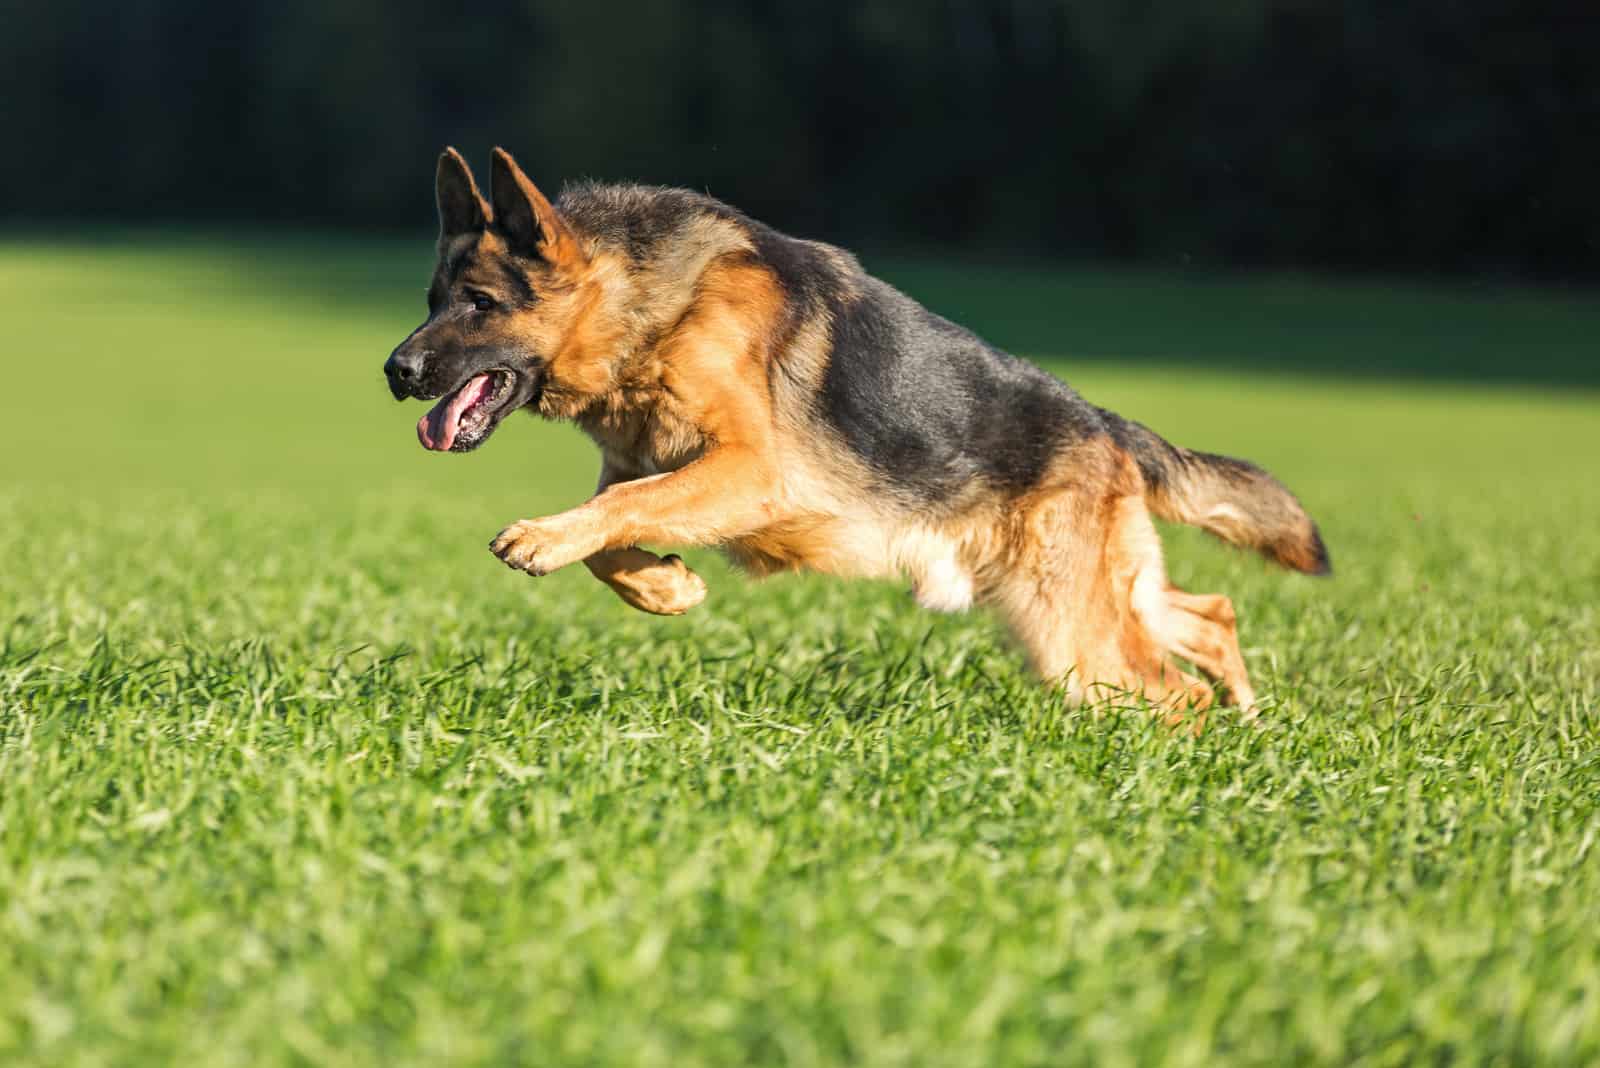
<point>462,209</point>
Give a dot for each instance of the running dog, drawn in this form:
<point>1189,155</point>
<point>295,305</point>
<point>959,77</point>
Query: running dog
<point>765,395</point>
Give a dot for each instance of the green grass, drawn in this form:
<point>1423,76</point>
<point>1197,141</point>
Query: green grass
<point>293,772</point>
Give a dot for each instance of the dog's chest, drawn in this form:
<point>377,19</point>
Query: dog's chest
<point>639,440</point>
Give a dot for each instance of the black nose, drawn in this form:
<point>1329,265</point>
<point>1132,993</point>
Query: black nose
<point>403,369</point>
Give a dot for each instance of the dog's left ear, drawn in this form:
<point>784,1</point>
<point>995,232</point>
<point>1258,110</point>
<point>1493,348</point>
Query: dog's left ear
<point>523,214</point>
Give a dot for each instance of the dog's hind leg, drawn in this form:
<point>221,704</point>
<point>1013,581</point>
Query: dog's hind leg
<point>1078,563</point>
<point>1201,629</point>
<point>1197,627</point>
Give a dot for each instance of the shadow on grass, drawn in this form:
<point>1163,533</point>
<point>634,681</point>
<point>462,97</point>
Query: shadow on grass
<point>1277,323</point>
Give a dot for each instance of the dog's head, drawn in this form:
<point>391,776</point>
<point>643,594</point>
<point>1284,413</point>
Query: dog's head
<point>510,288</point>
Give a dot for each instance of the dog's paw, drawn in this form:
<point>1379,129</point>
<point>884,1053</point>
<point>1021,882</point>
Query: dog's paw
<point>669,590</point>
<point>535,546</point>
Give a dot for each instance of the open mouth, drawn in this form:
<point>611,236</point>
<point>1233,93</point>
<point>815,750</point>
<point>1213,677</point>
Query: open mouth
<point>463,419</point>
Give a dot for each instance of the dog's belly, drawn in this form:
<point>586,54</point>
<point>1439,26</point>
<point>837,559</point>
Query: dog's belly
<point>933,561</point>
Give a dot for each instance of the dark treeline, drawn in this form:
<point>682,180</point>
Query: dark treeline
<point>1434,135</point>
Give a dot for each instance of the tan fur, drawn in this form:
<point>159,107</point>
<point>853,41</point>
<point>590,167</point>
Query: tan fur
<point>1085,589</point>
<point>662,585</point>
<point>703,385</point>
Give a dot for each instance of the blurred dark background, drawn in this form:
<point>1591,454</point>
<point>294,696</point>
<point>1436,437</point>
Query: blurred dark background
<point>1457,138</point>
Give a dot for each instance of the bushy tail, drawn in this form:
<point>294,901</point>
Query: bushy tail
<point>1234,500</point>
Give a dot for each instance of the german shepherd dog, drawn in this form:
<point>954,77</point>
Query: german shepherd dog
<point>765,395</point>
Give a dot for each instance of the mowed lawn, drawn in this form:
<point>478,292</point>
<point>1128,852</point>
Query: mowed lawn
<point>292,771</point>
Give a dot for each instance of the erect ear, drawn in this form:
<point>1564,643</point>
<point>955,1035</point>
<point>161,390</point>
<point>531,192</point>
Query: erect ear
<point>462,209</point>
<point>523,214</point>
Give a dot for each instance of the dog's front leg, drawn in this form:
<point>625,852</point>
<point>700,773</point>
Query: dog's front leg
<point>725,493</point>
<point>661,585</point>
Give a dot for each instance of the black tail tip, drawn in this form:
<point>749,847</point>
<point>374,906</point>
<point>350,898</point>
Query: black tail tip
<point>1301,551</point>
<point>1321,564</point>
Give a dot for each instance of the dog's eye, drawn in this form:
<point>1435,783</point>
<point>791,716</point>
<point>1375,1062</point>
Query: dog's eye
<point>481,302</point>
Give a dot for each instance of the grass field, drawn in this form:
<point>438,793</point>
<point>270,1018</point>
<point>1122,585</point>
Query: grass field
<point>293,772</point>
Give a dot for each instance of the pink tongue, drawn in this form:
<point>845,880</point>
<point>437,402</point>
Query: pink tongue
<point>437,429</point>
